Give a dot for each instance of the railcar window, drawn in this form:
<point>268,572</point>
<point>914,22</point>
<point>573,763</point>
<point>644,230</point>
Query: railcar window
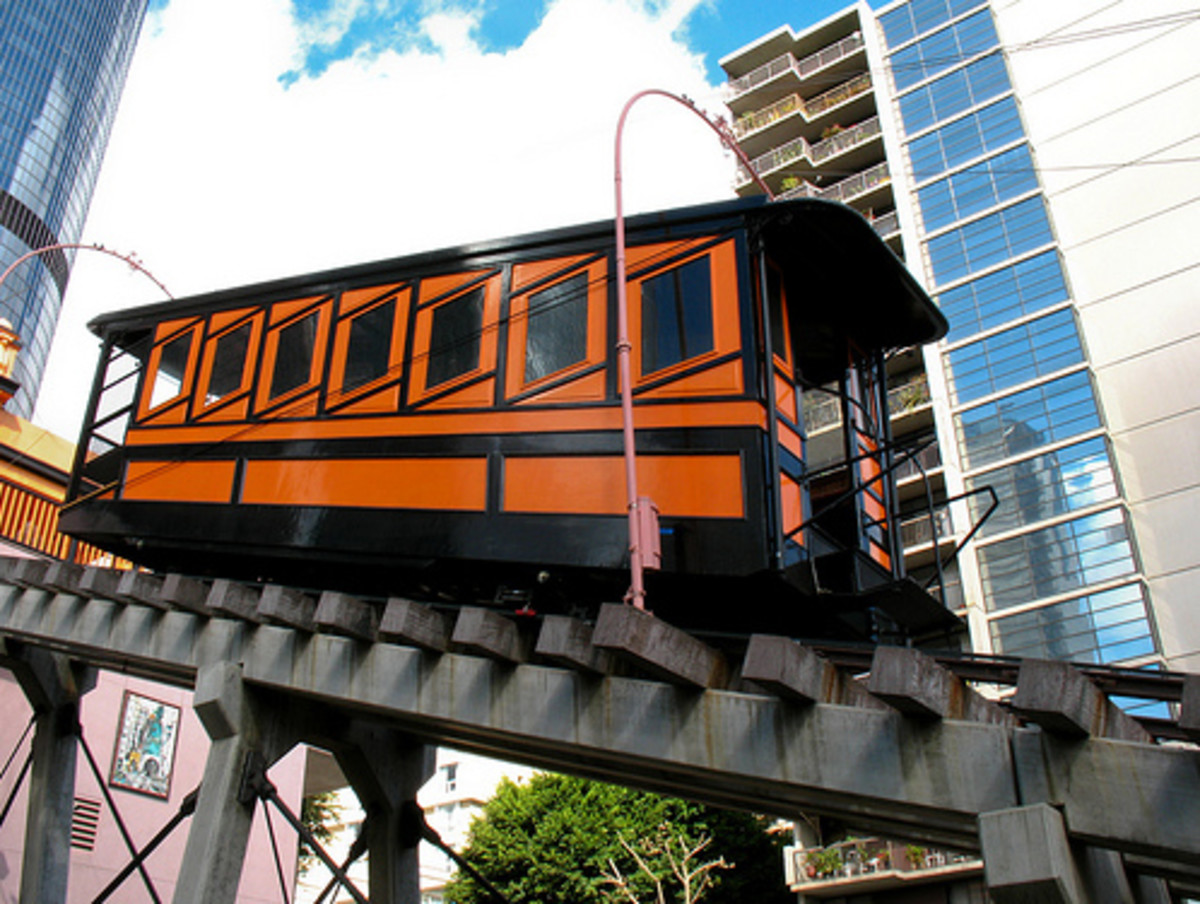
<point>454,338</point>
<point>556,332</point>
<point>369,347</point>
<point>677,321</point>
<point>168,378</point>
<point>294,354</point>
<point>229,364</point>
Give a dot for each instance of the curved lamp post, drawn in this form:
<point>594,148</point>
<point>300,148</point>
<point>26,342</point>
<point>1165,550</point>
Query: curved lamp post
<point>62,246</point>
<point>643,518</point>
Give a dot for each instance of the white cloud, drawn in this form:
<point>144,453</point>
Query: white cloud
<point>218,175</point>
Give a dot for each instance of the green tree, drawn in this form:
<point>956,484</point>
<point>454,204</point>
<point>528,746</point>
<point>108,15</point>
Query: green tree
<point>556,839</point>
<point>317,813</point>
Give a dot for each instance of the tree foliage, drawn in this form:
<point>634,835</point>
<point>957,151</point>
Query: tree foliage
<point>557,840</point>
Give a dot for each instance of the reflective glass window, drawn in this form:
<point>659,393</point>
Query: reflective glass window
<point>172,362</point>
<point>1109,626</point>
<point>455,338</point>
<point>1056,559</point>
<point>1047,413</point>
<point>977,188</point>
<point>906,22</point>
<point>963,139</point>
<point>369,348</point>
<point>955,92</point>
<point>1014,356</point>
<point>677,319</point>
<point>294,355</point>
<point>229,363</point>
<point>556,335</point>
<point>989,240</point>
<point>943,49</point>
<point>1045,486</point>
<point>1003,295</point>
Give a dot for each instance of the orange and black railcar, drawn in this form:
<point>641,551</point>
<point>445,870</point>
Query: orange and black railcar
<point>448,425</point>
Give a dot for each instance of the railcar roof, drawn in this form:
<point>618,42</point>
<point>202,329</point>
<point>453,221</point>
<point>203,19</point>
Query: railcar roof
<point>842,281</point>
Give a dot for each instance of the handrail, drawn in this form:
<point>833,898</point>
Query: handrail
<point>804,67</point>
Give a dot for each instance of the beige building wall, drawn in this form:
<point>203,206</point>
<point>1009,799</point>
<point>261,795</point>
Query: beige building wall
<point>1114,120</point>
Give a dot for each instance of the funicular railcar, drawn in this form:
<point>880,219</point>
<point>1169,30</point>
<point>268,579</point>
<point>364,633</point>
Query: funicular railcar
<point>447,425</point>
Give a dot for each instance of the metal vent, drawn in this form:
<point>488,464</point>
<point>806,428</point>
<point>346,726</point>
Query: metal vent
<point>85,820</point>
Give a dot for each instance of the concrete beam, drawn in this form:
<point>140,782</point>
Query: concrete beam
<point>488,633</point>
<point>795,672</point>
<point>568,642</point>
<point>26,572</point>
<point>290,608</point>
<point>1061,699</point>
<point>99,582</point>
<point>141,587</point>
<point>661,649</point>
<point>409,622</point>
<point>188,594</point>
<point>232,598</point>
<point>1027,857</point>
<point>347,615</point>
<point>63,577</point>
<point>916,685</point>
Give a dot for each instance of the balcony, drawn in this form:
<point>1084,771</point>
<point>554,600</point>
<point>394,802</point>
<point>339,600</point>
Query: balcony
<point>859,184</point>
<point>866,865</point>
<point>886,225</point>
<point>922,462</point>
<point>803,67</point>
<point>920,530</point>
<point>909,395</point>
<point>798,148</point>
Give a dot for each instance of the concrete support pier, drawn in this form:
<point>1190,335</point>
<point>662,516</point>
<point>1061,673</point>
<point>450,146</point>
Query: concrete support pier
<point>240,728</point>
<point>53,686</point>
<point>386,769</point>
<point>1028,859</point>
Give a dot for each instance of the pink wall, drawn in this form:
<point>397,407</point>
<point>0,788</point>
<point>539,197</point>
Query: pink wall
<point>143,814</point>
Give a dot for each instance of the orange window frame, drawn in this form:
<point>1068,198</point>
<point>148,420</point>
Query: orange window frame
<point>352,306</point>
<point>488,340</point>
<point>726,323</point>
<point>221,326</point>
<point>165,334</point>
<point>518,328</point>
<point>283,316</point>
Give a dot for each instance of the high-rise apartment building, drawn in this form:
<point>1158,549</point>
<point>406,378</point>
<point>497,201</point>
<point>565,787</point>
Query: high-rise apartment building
<point>62,68</point>
<point>1038,166</point>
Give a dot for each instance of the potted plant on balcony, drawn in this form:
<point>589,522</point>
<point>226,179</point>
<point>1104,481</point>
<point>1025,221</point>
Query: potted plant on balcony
<point>823,862</point>
<point>916,855</point>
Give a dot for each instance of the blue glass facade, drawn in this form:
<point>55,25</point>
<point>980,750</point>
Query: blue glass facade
<point>1056,563</point>
<point>62,68</point>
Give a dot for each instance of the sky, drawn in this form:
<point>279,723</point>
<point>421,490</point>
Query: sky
<point>259,139</point>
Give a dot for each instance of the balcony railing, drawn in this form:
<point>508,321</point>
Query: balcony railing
<point>820,410</point>
<point>920,530</point>
<point>858,184</point>
<point>844,140</point>
<point>887,224</point>
<point>908,395</point>
<point>760,119</point>
<point>814,107</point>
<point>804,67</point>
<point>922,462</point>
<point>865,861</point>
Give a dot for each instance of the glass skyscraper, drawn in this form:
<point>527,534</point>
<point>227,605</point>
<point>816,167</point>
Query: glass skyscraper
<point>62,68</point>
<point>1028,161</point>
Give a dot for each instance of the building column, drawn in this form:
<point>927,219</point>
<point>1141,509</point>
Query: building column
<point>53,685</point>
<point>386,769</point>
<point>242,730</point>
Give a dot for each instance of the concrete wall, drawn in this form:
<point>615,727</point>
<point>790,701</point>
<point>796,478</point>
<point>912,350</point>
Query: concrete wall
<point>1128,236</point>
<point>143,815</point>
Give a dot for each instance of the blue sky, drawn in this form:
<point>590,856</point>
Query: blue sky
<point>714,28</point>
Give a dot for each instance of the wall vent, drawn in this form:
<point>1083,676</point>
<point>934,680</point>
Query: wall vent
<point>85,820</point>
